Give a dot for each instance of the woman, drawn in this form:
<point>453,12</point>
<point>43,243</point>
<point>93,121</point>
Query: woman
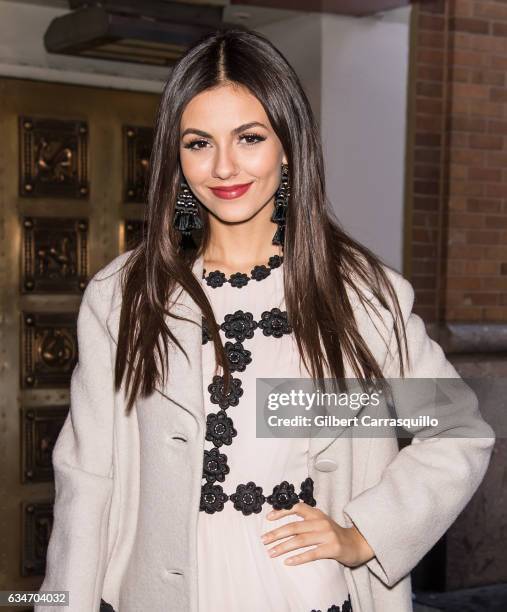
<point>163,490</point>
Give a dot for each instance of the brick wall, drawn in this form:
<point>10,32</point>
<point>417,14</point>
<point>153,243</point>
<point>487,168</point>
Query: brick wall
<point>456,248</point>
<point>457,251</point>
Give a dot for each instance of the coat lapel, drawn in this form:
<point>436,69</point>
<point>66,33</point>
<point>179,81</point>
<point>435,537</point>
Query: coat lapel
<point>184,387</point>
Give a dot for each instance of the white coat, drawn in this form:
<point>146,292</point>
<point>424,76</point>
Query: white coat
<point>127,489</point>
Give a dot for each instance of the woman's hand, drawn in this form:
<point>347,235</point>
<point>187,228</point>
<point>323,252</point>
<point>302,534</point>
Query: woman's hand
<point>344,544</point>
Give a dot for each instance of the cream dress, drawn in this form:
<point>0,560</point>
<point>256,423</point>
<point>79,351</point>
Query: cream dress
<point>235,571</point>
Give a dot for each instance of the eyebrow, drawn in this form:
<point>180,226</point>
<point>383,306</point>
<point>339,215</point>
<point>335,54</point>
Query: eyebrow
<point>241,128</point>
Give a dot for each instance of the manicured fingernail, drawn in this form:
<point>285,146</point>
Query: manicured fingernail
<point>264,538</point>
<point>271,514</point>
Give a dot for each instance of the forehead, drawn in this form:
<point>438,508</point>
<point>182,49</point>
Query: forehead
<point>223,107</point>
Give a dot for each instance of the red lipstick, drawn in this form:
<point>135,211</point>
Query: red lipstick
<point>231,192</point>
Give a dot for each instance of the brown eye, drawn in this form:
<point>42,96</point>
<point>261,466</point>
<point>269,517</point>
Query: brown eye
<point>191,145</point>
<point>256,138</point>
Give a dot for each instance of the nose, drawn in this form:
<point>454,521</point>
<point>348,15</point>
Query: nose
<point>224,164</point>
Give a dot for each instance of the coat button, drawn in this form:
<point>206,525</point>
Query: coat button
<point>325,465</point>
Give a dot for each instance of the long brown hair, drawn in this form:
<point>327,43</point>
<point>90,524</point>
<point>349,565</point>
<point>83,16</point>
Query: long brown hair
<point>320,259</point>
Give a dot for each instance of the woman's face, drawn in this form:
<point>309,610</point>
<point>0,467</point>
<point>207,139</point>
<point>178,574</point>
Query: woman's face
<point>227,140</point>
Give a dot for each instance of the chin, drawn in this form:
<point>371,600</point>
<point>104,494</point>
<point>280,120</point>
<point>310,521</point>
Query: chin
<point>234,212</point>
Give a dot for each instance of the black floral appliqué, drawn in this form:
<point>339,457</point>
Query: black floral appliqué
<point>248,498</point>
<point>306,494</point>
<point>345,607</point>
<point>260,272</point>
<point>219,428</point>
<point>215,279</point>
<point>240,325</point>
<point>283,496</point>
<point>213,498</point>
<point>239,279</point>
<point>218,394</point>
<point>215,466</point>
<point>275,261</point>
<point>238,356</point>
<point>274,323</point>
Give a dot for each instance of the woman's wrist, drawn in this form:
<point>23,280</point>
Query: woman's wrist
<point>364,550</point>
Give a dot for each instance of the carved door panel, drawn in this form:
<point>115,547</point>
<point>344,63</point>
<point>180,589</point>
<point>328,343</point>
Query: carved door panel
<point>73,167</point>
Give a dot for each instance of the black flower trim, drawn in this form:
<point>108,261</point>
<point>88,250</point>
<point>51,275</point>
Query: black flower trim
<point>275,261</point>
<point>283,496</point>
<point>260,273</point>
<point>218,395</point>
<point>240,279</point>
<point>306,494</point>
<point>274,323</point>
<point>248,498</point>
<point>345,607</point>
<point>237,356</point>
<point>215,279</point>
<point>213,498</point>
<point>215,466</point>
<point>219,428</point>
<point>240,325</point>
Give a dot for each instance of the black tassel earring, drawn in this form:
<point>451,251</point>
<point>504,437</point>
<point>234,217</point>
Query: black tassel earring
<point>281,203</point>
<point>186,216</point>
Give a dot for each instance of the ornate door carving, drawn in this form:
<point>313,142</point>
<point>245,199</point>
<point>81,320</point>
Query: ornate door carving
<point>73,168</point>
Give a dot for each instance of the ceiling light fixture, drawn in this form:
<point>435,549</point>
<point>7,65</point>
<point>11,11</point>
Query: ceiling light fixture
<point>155,32</point>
